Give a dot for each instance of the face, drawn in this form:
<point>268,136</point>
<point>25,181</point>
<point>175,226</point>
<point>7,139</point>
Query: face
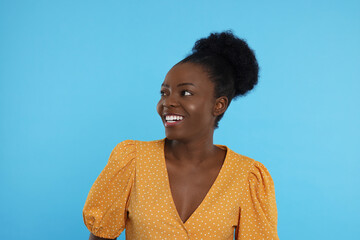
<point>188,107</point>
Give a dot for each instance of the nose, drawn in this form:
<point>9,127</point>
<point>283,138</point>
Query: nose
<point>170,101</point>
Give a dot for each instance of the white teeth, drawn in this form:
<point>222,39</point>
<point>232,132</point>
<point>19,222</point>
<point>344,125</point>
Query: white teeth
<point>173,118</point>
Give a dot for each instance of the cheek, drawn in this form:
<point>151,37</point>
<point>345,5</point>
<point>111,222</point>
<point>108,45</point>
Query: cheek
<point>200,109</point>
<point>193,108</point>
<point>159,107</point>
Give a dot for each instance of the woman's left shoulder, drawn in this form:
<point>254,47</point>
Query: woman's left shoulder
<point>240,158</point>
<point>247,162</point>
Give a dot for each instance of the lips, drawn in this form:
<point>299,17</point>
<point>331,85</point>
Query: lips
<point>172,119</point>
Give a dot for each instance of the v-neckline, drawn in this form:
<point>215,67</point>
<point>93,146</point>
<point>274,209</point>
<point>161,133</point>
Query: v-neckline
<point>213,186</point>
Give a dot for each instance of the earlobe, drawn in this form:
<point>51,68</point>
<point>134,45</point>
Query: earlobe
<point>220,105</point>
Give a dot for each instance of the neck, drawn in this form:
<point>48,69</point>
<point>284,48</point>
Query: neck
<point>193,151</point>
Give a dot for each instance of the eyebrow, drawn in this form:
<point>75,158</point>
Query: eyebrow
<point>180,84</point>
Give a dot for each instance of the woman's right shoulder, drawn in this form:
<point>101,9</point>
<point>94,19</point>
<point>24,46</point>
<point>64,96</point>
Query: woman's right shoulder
<point>123,152</point>
<point>126,143</point>
<point>129,149</point>
<point>131,142</point>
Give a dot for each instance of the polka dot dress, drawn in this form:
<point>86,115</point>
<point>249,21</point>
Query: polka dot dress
<point>133,193</point>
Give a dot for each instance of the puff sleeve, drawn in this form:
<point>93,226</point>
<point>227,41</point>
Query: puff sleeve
<point>258,211</point>
<point>105,208</point>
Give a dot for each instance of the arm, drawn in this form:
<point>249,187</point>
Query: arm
<point>93,237</point>
<point>258,211</point>
<point>104,212</point>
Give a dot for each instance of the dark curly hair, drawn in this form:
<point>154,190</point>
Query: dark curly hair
<point>230,63</point>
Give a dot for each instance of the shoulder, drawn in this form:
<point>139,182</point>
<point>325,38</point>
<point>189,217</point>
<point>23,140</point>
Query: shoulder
<point>248,164</point>
<point>123,153</point>
<point>257,176</point>
<point>125,146</point>
<point>240,159</point>
<point>145,145</point>
<point>137,146</point>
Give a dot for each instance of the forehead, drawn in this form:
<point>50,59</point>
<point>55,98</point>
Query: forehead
<point>188,73</point>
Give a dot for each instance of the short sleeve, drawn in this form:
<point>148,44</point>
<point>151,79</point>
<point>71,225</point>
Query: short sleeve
<point>105,209</point>
<point>258,211</point>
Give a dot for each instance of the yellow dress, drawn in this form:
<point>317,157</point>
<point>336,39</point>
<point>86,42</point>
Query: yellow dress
<point>133,192</point>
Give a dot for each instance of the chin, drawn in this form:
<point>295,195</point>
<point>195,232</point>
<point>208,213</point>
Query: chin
<point>173,135</point>
<point>178,136</point>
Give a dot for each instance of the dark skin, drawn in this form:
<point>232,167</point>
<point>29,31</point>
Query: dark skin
<point>193,162</point>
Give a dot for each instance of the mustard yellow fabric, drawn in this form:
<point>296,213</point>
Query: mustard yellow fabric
<point>133,192</point>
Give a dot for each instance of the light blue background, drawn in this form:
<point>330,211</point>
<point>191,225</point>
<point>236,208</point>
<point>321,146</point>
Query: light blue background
<point>78,77</point>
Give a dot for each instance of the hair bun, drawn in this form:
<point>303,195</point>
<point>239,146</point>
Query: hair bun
<point>237,53</point>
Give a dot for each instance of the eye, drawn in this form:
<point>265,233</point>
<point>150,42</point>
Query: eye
<point>162,93</point>
<point>186,93</point>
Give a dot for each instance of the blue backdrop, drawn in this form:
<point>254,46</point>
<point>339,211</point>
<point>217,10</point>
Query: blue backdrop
<point>78,77</point>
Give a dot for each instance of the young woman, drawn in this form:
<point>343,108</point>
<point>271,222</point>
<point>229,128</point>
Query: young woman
<point>184,186</point>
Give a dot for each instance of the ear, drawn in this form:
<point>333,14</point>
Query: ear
<point>220,106</point>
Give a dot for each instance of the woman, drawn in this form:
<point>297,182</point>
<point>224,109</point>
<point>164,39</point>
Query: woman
<point>184,186</point>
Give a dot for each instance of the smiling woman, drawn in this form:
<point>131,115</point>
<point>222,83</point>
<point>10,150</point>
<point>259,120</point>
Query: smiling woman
<point>184,186</point>
<point>188,94</point>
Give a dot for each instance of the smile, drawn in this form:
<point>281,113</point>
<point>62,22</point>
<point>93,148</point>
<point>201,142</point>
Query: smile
<point>172,120</point>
